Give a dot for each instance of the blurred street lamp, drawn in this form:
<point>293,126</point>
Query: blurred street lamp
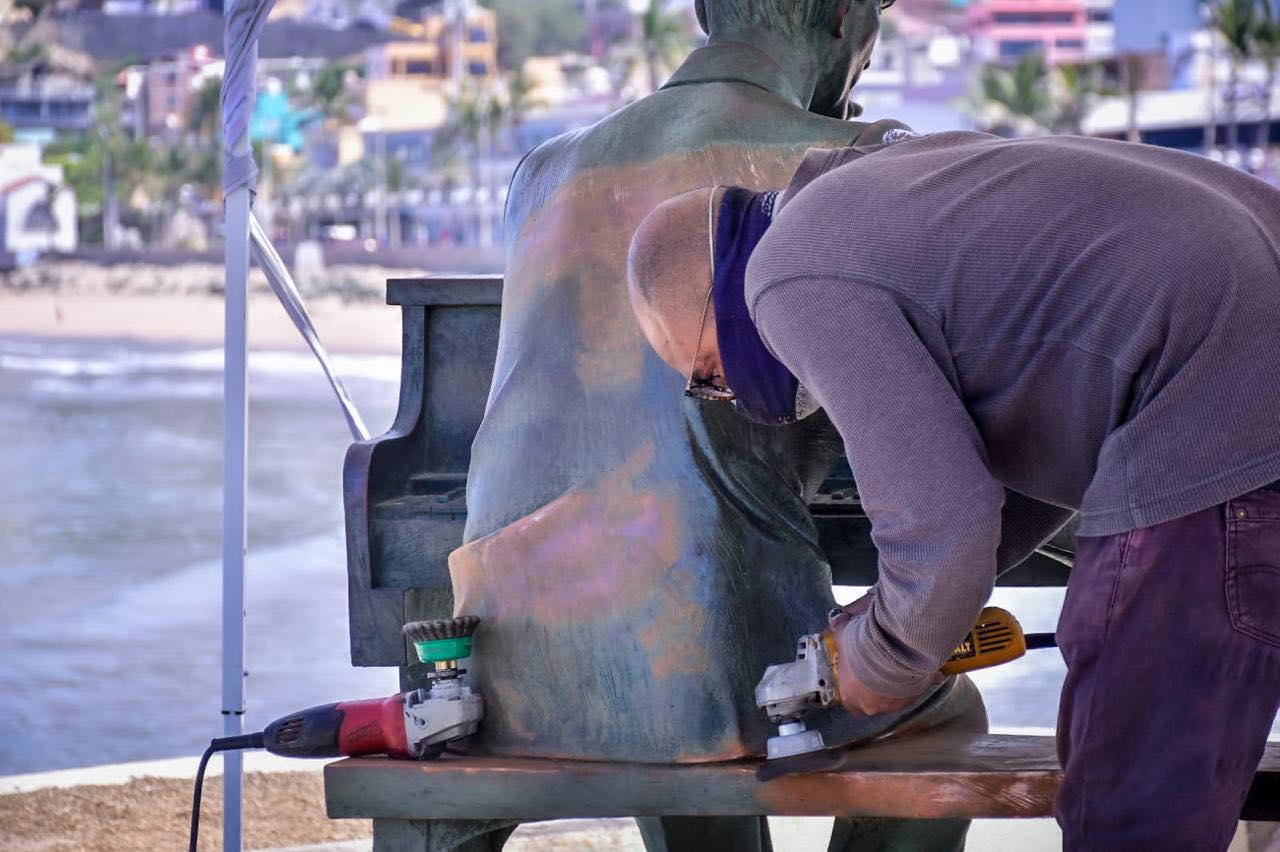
<point>372,126</point>
<point>110,209</point>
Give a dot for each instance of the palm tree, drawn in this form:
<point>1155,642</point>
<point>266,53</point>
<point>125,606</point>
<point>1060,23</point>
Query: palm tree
<point>1134,75</point>
<point>41,218</point>
<point>204,123</point>
<point>330,91</point>
<point>459,140</point>
<point>1017,99</point>
<point>204,119</point>
<point>396,179</point>
<point>520,98</point>
<point>1235,21</point>
<point>663,40</point>
<point>1266,42</point>
<point>1077,84</point>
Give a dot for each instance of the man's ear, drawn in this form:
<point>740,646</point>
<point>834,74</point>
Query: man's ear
<point>840,12</point>
<point>700,9</point>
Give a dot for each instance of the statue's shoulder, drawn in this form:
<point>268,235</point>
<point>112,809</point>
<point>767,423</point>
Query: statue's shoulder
<point>670,122</point>
<point>555,162</point>
<point>538,174</point>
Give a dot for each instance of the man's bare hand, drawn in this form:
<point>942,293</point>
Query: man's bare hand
<point>856,696</point>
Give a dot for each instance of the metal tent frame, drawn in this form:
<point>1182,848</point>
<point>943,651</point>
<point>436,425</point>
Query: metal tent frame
<point>243,21</point>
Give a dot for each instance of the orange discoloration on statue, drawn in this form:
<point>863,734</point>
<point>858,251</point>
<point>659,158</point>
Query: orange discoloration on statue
<point>672,645</point>
<point>723,749</point>
<point>599,549</point>
<point>598,552</point>
<point>602,219</point>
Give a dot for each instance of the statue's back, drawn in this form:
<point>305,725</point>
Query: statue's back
<point>638,558</point>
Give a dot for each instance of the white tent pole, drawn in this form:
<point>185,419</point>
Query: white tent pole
<point>242,23</point>
<point>234,489</point>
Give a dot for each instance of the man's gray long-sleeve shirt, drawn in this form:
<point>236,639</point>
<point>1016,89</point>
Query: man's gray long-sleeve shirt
<point>1089,324</point>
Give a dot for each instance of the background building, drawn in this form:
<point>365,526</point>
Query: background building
<point>1100,28</point>
<point>37,209</point>
<point>1005,30</point>
<point>38,97</point>
<point>170,85</point>
<point>408,83</point>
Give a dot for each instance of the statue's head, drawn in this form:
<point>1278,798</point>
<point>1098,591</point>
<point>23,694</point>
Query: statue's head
<point>837,35</point>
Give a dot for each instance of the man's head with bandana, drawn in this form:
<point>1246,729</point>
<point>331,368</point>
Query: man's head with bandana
<point>686,272</point>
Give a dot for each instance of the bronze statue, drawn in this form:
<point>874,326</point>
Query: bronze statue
<point>638,560</point>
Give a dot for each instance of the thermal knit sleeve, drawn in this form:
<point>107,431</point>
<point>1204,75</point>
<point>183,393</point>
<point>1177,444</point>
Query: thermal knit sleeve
<point>919,464</point>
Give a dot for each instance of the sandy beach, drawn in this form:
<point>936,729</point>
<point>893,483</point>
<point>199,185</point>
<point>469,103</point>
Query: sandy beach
<point>184,305</point>
<point>283,811</point>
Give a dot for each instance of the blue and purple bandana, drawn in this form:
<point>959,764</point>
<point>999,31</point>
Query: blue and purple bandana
<point>766,391</point>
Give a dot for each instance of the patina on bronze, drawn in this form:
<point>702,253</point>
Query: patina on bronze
<point>638,558</point>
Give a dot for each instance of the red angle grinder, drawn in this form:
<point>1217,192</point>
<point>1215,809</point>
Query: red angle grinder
<point>416,725</point>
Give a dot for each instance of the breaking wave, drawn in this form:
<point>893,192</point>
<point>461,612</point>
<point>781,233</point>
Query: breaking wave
<point>79,360</point>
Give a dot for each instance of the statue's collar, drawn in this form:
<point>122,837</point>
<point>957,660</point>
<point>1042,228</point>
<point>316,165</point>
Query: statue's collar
<point>731,62</point>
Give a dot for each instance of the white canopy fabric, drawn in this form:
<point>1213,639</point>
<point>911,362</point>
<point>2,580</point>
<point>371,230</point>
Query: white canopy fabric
<point>242,21</point>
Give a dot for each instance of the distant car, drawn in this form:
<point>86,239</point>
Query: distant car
<point>341,233</point>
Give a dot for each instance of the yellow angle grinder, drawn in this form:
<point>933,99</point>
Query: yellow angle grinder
<point>788,691</point>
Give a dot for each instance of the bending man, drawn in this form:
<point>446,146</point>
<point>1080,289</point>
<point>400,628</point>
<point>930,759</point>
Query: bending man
<point>1047,325</point>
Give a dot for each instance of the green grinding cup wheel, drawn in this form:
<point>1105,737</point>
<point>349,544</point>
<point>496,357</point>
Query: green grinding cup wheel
<point>439,650</point>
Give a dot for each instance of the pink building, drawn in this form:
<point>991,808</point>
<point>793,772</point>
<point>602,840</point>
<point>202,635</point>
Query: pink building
<point>1004,30</point>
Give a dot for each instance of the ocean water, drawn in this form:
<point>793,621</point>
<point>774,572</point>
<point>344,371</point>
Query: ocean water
<point>110,526</point>
<point>110,542</point>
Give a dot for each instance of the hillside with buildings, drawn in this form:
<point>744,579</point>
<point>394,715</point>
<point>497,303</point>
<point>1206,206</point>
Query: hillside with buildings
<point>388,127</point>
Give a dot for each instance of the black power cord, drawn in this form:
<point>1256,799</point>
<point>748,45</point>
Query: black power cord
<point>216,744</point>
<point>1041,640</point>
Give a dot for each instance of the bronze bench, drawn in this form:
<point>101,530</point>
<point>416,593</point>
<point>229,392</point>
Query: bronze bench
<point>926,776</point>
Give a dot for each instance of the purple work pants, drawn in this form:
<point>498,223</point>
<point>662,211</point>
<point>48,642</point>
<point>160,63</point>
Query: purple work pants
<point>1171,635</point>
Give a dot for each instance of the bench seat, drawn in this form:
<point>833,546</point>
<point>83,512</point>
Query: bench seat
<point>928,776</point>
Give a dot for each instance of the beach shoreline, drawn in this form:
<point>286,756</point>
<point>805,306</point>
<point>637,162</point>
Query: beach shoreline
<point>183,306</point>
<point>186,320</point>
